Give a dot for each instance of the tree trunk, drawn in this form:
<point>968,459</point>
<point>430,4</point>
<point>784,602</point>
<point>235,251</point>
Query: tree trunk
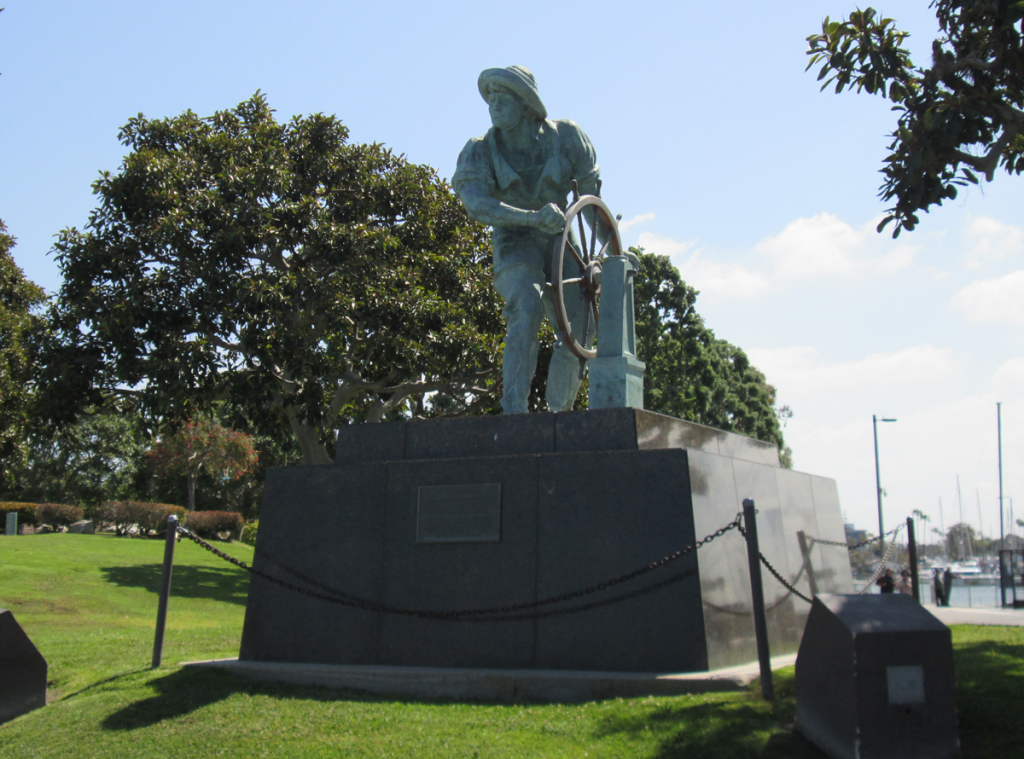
<point>313,451</point>
<point>191,491</point>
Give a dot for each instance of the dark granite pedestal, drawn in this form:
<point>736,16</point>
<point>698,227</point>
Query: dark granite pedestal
<point>497,511</point>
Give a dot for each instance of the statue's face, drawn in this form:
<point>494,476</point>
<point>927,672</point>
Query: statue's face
<point>506,109</point>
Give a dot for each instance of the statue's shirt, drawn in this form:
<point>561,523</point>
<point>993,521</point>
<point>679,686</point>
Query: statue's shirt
<point>563,153</point>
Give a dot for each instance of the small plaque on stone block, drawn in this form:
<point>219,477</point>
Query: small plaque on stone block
<point>906,685</point>
<point>459,514</point>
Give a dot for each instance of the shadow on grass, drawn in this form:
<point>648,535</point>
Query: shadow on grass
<point>215,583</point>
<point>192,688</point>
<point>719,730</point>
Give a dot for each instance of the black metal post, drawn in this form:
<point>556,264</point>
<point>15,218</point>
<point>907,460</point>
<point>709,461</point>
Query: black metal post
<point>878,489</point>
<point>165,590</point>
<point>912,552</point>
<point>757,596</point>
<point>805,551</point>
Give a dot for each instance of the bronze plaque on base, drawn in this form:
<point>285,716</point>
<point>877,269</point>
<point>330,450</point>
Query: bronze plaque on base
<point>459,513</point>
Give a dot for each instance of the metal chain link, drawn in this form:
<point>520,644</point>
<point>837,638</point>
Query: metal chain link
<point>852,546</point>
<point>785,583</point>
<point>769,607</point>
<point>498,613</point>
<point>882,563</point>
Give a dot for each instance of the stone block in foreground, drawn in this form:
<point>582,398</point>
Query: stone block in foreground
<point>22,670</point>
<point>874,679</point>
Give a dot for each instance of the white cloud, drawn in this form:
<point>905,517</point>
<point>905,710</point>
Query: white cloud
<point>1009,375</point>
<point>714,279</point>
<point>993,241</point>
<point>1000,299</point>
<point>825,246</point>
<point>807,248</point>
<point>711,278</point>
<point>818,247</point>
<point>639,219</point>
<point>664,246</point>
<point>799,371</point>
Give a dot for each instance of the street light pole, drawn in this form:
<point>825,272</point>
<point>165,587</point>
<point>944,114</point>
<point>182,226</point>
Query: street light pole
<point>999,433</point>
<point>878,483</point>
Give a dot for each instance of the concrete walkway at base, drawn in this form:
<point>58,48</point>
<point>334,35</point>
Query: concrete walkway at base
<point>958,615</point>
<point>496,685</point>
<point>513,685</point>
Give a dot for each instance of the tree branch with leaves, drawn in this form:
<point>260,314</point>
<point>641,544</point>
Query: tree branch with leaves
<point>959,117</point>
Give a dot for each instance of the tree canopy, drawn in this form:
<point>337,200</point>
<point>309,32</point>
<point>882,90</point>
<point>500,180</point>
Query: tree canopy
<point>18,326</point>
<point>97,458</point>
<point>959,117</point>
<point>275,266</point>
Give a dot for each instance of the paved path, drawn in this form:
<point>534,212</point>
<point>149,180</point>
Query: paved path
<point>954,615</point>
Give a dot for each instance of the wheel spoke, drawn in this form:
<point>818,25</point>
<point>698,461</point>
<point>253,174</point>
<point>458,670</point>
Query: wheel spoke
<point>605,247</point>
<point>573,281</point>
<point>576,256</point>
<point>583,236</point>
<point>597,315</point>
<point>593,232</point>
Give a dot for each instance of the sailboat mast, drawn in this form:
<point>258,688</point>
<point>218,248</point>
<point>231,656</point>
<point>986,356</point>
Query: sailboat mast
<point>942,527</point>
<point>981,525</point>
<point>963,527</point>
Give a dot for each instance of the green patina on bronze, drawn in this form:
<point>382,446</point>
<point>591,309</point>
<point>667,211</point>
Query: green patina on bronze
<point>517,178</point>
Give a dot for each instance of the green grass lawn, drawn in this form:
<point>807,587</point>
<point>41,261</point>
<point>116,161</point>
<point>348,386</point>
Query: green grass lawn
<point>89,604</point>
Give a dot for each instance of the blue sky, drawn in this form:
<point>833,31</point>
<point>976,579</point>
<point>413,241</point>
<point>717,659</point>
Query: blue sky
<point>714,144</point>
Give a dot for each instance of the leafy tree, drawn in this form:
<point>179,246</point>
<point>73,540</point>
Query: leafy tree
<point>960,539</point>
<point>98,458</point>
<point>18,296</point>
<point>201,445</point>
<point>961,115</point>
<point>922,528</point>
<point>275,266</point>
<point>691,374</point>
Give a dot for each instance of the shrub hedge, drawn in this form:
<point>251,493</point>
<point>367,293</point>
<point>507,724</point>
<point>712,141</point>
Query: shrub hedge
<point>207,524</point>
<point>249,532</point>
<point>149,517</point>
<point>26,512</point>
<point>58,515</point>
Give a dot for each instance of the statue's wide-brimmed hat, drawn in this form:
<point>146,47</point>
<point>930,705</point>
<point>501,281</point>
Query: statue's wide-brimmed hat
<point>517,79</point>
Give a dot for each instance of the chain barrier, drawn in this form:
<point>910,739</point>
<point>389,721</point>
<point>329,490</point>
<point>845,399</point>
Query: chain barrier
<point>510,612</point>
<point>852,546</point>
<point>492,614</point>
<point>884,561</point>
<point>790,586</point>
<point>769,607</point>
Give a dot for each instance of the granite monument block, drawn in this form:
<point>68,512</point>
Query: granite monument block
<point>506,511</point>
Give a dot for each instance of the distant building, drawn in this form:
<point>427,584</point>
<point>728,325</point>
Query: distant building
<point>853,535</point>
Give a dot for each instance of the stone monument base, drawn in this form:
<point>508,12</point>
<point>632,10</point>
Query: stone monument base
<point>505,511</point>
<point>494,685</point>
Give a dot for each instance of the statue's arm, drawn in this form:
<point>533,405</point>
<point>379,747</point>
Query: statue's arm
<point>488,210</point>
